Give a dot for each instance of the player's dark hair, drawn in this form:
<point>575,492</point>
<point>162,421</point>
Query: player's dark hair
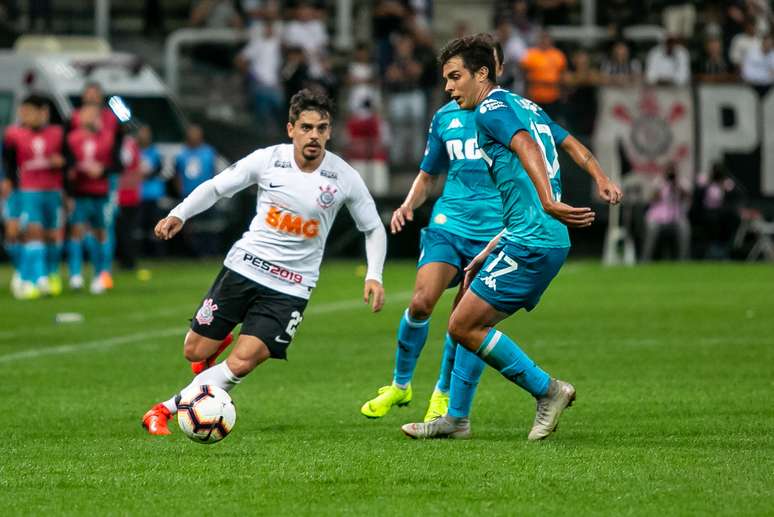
<point>93,84</point>
<point>499,52</point>
<point>475,51</point>
<point>309,100</point>
<point>35,100</point>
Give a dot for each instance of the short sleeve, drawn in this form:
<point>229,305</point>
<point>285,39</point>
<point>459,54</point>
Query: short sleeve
<point>435,160</point>
<point>498,120</point>
<point>361,205</point>
<point>557,131</point>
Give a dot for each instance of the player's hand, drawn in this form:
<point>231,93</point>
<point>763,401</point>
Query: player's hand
<point>373,294</point>
<point>94,171</point>
<point>399,217</point>
<point>6,187</point>
<point>56,160</point>
<point>472,269</point>
<point>571,216</point>
<point>168,227</point>
<point>609,191</point>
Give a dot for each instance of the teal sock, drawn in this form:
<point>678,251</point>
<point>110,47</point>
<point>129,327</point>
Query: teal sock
<point>107,255</point>
<point>13,249</point>
<point>447,364</point>
<point>53,257</point>
<point>502,353</point>
<point>94,247</point>
<point>468,368</point>
<point>412,335</point>
<point>34,263</point>
<point>75,257</point>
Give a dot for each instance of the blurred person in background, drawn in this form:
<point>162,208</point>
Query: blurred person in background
<point>581,81</point>
<point>194,165</point>
<point>295,72</point>
<point>90,150</point>
<point>667,213</point>
<point>715,213</point>
<point>152,190</point>
<point>33,157</point>
<point>543,66</point>
<point>306,29</point>
<point>406,102</point>
<point>668,63</point>
<point>742,43</point>
<point>261,61</point>
<point>12,234</point>
<point>366,146</point>
<point>388,18</point>
<point>108,123</point>
<point>679,17</point>
<point>619,68</point>
<point>555,12</point>
<point>712,66</point>
<point>128,223</point>
<point>362,80</point>
<point>616,15</point>
<point>758,65</point>
<point>215,14</point>
<point>514,48</point>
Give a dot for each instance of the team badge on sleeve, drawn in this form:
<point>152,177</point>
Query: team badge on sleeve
<point>204,316</point>
<point>327,196</point>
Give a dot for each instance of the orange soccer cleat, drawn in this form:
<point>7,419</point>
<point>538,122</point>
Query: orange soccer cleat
<point>106,279</point>
<point>155,420</point>
<point>199,366</point>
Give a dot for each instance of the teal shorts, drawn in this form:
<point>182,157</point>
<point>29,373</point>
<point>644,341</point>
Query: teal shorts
<point>42,207</point>
<point>12,206</point>
<point>437,245</point>
<point>515,276</point>
<point>93,211</point>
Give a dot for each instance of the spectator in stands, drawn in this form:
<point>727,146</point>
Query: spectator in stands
<point>215,14</point>
<point>306,29</point>
<point>426,56</point>
<point>618,14</point>
<point>295,72</point>
<point>406,101</point>
<point>620,69</point>
<point>152,191</point>
<point>260,61</point>
<point>742,43</point>
<point>361,79</point>
<point>758,65</point>
<point>555,12</point>
<point>581,82</point>
<point>543,66</point>
<point>712,66</point>
<point>668,63</point>
<point>388,17</point>
<point>128,222</point>
<point>715,213</point>
<point>366,149</point>
<point>667,214</point>
<point>523,23</point>
<point>679,18</point>
<point>514,49</point>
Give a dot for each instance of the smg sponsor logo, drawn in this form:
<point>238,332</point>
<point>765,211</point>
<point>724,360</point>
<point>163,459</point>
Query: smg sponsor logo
<point>273,269</point>
<point>463,150</point>
<point>291,223</point>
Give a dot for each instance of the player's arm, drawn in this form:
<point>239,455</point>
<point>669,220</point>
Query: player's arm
<point>580,154</point>
<point>237,177</point>
<point>434,162</point>
<point>532,159</point>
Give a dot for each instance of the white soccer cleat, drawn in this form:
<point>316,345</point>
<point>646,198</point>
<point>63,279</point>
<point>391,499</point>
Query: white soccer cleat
<point>43,285</point>
<point>97,287</point>
<point>441,427</point>
<point>76,282</point>
<point>16,284</point>
<point>560,396</point>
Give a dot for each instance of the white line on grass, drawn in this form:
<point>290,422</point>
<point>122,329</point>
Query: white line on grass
<point>99,344</point>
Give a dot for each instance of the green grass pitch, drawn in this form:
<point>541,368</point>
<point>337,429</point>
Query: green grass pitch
<point>674,366</point>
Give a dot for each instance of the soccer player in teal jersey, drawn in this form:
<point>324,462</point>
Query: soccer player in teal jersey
<point>464,219</point>
<point>517,142</point>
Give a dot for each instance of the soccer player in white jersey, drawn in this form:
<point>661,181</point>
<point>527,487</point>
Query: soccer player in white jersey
<point>269,274</point>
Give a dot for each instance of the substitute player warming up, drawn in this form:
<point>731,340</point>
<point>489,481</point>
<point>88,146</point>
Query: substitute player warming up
<point>269,274</point>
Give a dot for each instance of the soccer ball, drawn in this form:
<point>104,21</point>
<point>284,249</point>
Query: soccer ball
<point>206,414</point>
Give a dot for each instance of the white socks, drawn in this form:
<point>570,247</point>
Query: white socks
<point>219,375</point>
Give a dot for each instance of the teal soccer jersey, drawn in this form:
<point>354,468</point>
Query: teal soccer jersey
<point>470,205</point>
<point>498,117</point>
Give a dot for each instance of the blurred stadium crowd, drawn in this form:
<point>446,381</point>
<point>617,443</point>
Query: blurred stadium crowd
<point>387,86</point>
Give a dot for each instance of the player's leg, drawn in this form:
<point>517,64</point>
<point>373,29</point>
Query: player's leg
<point>110,214</point>
<point>98,217</point>
<point>54,227</point>
<point>75,246</point>
<point>431,281</point>
<point>12,241</point>
<point>33,250</point>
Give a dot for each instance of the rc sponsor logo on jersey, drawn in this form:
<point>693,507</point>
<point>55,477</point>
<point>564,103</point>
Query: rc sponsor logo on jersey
<point>282,164</point>
<point>327,196</point>
<point>454,124</point>
<point>491,105</point>
<point>291,223</point>
<point>459,150</point>
<point>272,269</point>
<point>205,314</point>
<point>329,174</point>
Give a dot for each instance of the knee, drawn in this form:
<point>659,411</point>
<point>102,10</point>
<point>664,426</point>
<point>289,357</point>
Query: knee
<point>458,330</point>
<point>421,306</point>
<point>192,349</point>
<point>241,361</point>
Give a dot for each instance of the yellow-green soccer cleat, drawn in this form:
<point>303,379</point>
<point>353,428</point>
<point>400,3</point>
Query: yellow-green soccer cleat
<point>439,404</point>
<point>54,284</point>
<point>388,396</point>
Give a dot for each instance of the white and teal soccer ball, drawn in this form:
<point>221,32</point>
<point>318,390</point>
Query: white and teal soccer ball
<point>206,414</point>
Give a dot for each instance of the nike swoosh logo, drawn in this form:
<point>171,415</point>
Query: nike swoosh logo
<point>280,340</point>
<point>272,185</point>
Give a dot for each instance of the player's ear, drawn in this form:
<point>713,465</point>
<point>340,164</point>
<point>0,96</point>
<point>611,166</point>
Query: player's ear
<point>290,130</point>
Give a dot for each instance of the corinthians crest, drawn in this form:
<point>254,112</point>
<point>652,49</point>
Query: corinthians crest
<point>204,316</point>
<point>327,196</point>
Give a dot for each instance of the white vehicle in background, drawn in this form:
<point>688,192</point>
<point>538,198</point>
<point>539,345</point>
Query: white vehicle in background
<point>59,67</point>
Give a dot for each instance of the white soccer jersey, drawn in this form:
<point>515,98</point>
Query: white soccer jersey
<point>294,213</point>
